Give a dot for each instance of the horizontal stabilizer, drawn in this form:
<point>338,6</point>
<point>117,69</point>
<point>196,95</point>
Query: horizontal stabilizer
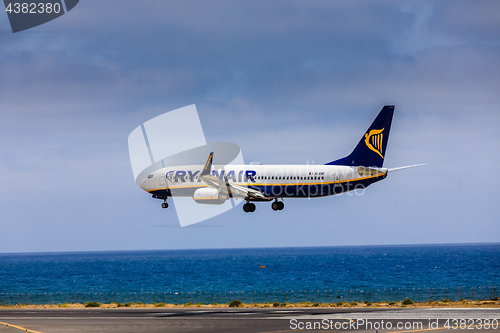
<point>407,167</point>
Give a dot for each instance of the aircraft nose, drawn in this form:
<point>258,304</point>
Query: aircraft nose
<point>143,184</point>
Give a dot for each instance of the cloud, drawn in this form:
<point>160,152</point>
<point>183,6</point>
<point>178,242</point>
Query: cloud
<point>470,22</point>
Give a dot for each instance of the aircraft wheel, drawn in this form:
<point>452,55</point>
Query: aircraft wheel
<point>281,205</point>
<point>164,205</point>
<point>246,208</point>
<point>275,206</point>
<point>252,207</point>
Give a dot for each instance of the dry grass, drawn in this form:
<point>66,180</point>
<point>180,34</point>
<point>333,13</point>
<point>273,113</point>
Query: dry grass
<point>427,304</point>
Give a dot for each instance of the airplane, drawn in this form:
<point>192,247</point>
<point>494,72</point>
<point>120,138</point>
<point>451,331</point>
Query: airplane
<point>256,183</point>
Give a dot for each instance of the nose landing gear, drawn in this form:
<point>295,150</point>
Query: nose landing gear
<point>164,204</point>
<point>277,205</point>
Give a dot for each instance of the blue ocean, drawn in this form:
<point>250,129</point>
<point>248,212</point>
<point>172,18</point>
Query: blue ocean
<point>251,270</point>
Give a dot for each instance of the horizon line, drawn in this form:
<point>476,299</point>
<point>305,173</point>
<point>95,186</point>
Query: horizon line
<point>250,248</point>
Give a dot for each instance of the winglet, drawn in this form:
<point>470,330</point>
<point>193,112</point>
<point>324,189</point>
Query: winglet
<point>207,169</point>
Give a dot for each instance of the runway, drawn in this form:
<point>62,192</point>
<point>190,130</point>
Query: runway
<point>246,320</point>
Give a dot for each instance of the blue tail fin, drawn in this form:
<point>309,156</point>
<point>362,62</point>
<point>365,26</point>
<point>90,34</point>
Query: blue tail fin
<point>370,151</point>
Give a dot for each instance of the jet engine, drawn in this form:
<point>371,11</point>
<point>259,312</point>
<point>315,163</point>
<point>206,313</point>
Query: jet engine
<point>210,196</point>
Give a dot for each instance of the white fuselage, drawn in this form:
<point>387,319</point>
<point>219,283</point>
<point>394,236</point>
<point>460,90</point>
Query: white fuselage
<point>274,181</point>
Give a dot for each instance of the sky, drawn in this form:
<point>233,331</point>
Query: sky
<point>290,82</point>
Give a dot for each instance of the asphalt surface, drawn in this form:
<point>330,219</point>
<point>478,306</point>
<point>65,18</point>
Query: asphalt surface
<point>268,320</point>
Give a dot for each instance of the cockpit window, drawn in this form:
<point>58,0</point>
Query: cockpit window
<point>150,176</point>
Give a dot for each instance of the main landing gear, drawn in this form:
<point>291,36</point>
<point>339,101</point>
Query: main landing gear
<point>249,207</point>
<point>164,204</point>
<point>277,205</point>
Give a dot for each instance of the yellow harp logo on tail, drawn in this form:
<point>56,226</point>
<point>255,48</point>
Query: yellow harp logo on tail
<point>373,140</point>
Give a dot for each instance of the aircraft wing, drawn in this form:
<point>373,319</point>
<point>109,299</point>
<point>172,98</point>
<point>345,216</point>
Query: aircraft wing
<point>225,186</point>
<point>245,191</point>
